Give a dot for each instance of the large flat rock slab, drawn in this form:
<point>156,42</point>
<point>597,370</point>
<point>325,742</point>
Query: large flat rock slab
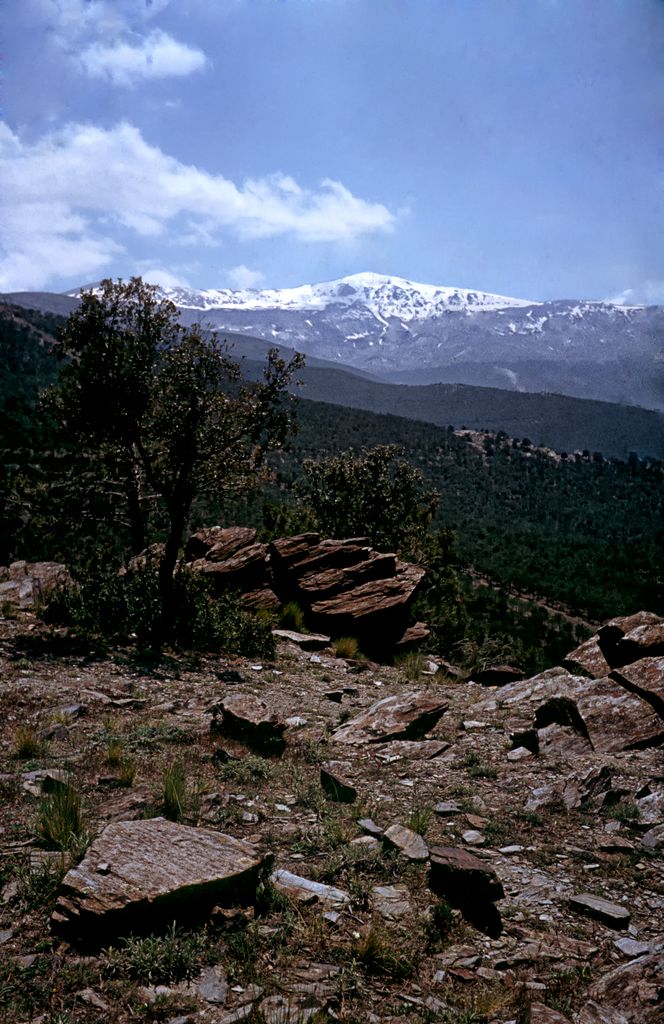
<point>140,875</point>
<point>609,716</point>
<point>403,716</point>
<point>646,678</point>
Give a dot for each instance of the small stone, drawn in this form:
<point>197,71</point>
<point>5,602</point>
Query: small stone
<point>5,935</point>
<point>519,754</point>
<point>296,722</point>
<point>391,901</point>
<point>632,948</point>
<point>509,851</point>
<point>654,838</point>
<point>307,891</point>
<point>541,1014</point>
<point>92,998</point>
<point>212,985</point>
<point>368,843</point>
<point>369,825</point>
<point>447,808</point>
<point>473,838</point>
<point>611,914</point>
<point>408,843</point>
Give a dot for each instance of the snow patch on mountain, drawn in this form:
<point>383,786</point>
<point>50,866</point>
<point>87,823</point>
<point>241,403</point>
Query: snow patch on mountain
<point>385,297</point>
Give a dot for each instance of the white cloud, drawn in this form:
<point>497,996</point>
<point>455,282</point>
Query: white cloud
<point>245,277</point>
<point>66,197</point>
<point>650,293</point>
<point>156,274</point>
<point>155,56</point>
<point>117,49</point>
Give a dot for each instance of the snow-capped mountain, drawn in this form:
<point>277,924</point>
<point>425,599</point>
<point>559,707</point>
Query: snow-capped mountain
<point>421,333</point>
<point>383,296</point>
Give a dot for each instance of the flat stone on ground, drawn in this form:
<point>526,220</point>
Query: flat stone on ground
<point>139,875</point>
<point>402,716</point>
<point>409,844</point>
<point>612,914</point>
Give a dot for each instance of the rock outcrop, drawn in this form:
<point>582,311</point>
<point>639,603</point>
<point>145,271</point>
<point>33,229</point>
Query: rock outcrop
<point>27,584</point>
<point>343,586</point>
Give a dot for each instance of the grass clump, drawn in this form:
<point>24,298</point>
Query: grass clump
<point>420,818</point>
<point>27,744</point>
<point>291,617</point>
<point>157,959</point>
<point>346,647</point>
<point>38,888</point>
<point>174,791</point>
<point>251,768</point>
<point>60,824</point>
<point>378,953</point>
<point>476,768</point>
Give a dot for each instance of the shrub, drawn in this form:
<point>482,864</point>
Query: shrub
<point>157,959</point>
<point>127,608</point>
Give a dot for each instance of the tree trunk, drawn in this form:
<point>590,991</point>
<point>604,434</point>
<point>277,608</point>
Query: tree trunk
<point>178,514</point>
<point>136,517</point>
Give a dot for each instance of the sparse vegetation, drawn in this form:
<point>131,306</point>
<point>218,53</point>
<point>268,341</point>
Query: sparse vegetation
<point>27,744</point>
<point>157,959</point>
<point>346,647</point>
<point>174,791</point>
<point>60,824</point>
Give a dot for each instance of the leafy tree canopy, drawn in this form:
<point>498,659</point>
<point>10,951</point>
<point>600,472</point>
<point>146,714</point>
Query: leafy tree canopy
<point>374,493</point>
<point>167,407</point>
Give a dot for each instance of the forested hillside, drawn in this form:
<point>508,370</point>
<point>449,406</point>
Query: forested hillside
<point>582,530</point>
<point>579,529</point>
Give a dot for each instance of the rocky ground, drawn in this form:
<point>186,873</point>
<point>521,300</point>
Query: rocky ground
<point>461,853</point>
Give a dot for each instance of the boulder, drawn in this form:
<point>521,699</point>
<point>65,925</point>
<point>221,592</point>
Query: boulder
<point>588,660</point>
<point>497,675</point>
<point>215,543</point>
<point>346,588</point>
<point>602,712</point>
<point>645,678</point>
<point>243,570</point>
<point>140,875</point>
<point>403,716</point>
<point>612,633</point>
<point>248,718</point>
<point>469,884</point>
<point>27,584</point>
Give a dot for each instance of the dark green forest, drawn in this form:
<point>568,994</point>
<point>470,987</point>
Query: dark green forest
<point>579,530</point>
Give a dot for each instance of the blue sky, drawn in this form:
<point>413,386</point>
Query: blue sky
<point>514,146</point>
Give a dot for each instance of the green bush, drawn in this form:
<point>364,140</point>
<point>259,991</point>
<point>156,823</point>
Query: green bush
<point>157,959</point>
<point>126,608</point>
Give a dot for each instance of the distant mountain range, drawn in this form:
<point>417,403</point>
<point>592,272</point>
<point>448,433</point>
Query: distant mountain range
<point>412,333</point>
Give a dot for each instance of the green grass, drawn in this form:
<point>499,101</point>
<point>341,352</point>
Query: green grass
<point>60,824</point>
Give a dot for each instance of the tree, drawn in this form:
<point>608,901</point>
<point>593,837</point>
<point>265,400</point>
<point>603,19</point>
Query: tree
<point>374,493</point>
<point>168,405</point>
